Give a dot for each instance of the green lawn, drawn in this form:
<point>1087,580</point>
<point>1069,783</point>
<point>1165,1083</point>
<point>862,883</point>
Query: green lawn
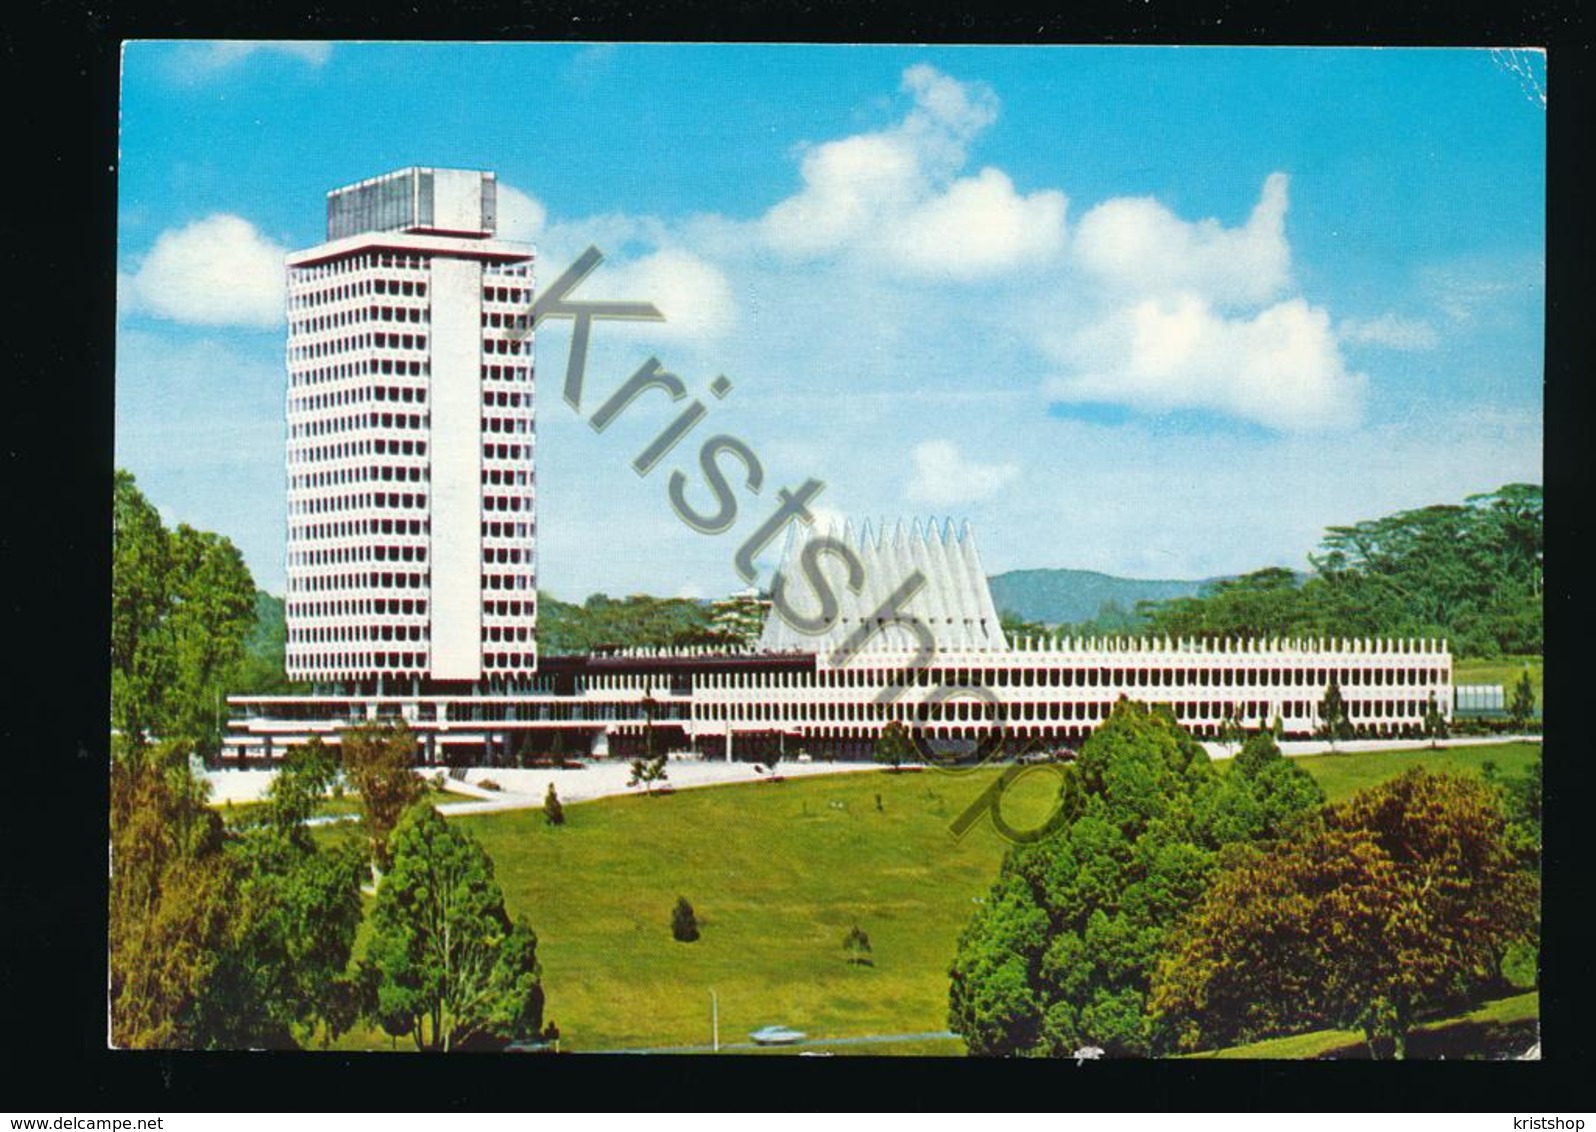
<point>1499,1029</point>
<point>1344,774</point>
<point>777,873</point>
<point>1504,671</point>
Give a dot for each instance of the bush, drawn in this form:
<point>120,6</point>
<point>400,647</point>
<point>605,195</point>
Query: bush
<point>856,946</point>
<point>489,784</point>
<point>684,921</point>
<point>553,812</point>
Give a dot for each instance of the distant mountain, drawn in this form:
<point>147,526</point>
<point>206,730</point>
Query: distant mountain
<point>1059,597</point>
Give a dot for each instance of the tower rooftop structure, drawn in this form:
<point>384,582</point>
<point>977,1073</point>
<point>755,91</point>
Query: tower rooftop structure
<point>954,602</point>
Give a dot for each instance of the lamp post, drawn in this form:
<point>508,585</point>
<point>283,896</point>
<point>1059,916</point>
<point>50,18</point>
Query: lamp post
<point>714,1020</point>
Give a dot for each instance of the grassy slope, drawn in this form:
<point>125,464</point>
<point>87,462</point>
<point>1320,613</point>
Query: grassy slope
<point>777,874</point>
<point>1504,671</point>
<point>1507,1021</point>
<point>1343,774</point>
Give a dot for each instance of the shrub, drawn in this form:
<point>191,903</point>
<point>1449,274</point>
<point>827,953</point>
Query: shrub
<point>684,921</point>
<point>489,784</point>
<point>856,946</point>
<point>553,812</point>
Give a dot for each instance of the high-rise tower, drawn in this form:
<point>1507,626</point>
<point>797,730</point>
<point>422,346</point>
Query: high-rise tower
<point>411,496</point>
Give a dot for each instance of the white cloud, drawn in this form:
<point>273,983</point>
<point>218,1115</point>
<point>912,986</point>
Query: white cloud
<point>942,475</point>
<point>691,293</point>
<point>1280,368</point>
<point>521,215</point>
<point>1389,331</point>
<point>219,271</point>
<point>1136,245</point>
<point>894,196</point>
<point>195,61</point>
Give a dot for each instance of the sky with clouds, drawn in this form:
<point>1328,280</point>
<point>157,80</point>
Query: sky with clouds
<point>1159,312</point>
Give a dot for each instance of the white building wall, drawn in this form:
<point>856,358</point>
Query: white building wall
<point>456,469</point>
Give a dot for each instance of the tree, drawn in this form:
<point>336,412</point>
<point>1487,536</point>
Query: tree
<point>282,970</point>
<point>182,604</point>
<point>856,946</point>
<point>307,773</point>
<point>1333,721</point>
<point>1230,730</point>
<point>211,613</point>
<point>647,772</point>
<point>1434,722</point>
<point>172,895</point>
<point>449,962</point>
<point>553,811</point>
<point>1399,899</point>
<point>684,921</point>
<point>1522,706</point>
<point>894,746</point>
<point>378,758</point>
<point>1060,953</point>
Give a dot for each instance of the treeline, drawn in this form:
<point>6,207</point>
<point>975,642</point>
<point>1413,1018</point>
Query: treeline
<point>240,934</point>
<point>1470,573</point>
<point>639,621</point>
<point>1181,907</point>
<point>182,604</point>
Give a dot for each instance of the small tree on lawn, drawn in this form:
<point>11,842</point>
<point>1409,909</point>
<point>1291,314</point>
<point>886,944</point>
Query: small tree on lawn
<point>553,812</point>
<point>1522,706</point>
<point>1333,721</point>
<point>893,747</point>
<point>684,921</point>
<point>856,946</point>
<point>646,772</point>
<point>1434,722</point>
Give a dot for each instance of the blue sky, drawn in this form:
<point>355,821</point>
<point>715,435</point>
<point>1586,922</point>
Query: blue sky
<point>1153,311</point>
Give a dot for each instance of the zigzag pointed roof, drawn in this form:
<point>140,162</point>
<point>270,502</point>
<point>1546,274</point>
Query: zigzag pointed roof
<point>953,602</point>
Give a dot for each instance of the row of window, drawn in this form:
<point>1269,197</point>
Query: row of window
<point>503,425</point>
<point>1210,676</point>
<point>507,530</point>
<point>507,451</point>
<point>509,660</point>
<point>356,607</point>
<point>384,473</point>
<point>358,502</point>
<point>323,583</point>
<point>340,555</point>
<point>497,633</point>
<point>518,295</point>
<point>506,373</point>
<point>352,528</point>
<point>510,608</point>
<point>340,634</point>
<point>330,426</point>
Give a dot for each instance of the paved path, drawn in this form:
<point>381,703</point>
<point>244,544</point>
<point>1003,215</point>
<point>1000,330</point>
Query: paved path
<point>524,789</point>
<point>1322,747</point>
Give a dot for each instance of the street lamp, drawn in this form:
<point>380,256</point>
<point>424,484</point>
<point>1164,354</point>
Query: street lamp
<point>714,1020</point>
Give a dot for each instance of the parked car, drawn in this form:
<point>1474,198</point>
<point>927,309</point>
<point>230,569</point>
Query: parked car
<point>776,1036</point>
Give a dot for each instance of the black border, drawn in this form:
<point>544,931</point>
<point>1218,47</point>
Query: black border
<point>62,77</point>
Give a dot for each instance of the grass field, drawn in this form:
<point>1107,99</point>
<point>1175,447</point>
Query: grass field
<point>1344,774</point>
<point>777,873</point>
<point>1504,671</point>
<point>1502,1028</point>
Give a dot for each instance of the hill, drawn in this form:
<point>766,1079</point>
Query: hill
<point>1061,597</point>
